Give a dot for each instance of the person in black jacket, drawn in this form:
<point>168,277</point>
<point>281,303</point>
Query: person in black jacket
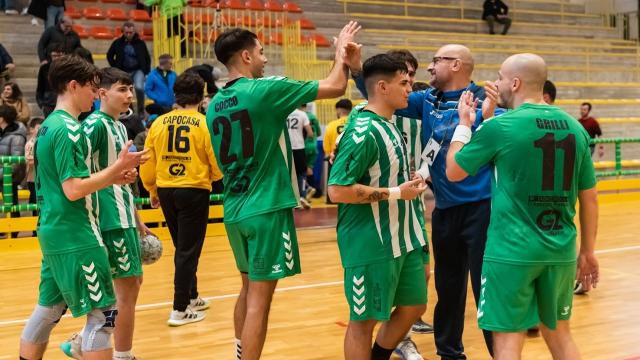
<point>62,33</point>
<point>6,64</point>
<point>130,54</point>
<point>45,95</point>
<point>496,11</point>
<point>206,73</point>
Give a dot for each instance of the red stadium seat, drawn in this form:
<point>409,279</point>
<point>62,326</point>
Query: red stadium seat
<point>266,21</point>
<point>275,38</point>
<point>147,34</point>
<point>72,12</point>
<point>117,14</point>
<point>101,32</point>
<point>273,5</point>
<point>112,1</point>
<point>282,21</point>
<point>234,4</point>
<point>131,2</point>
<point>255,5</point>
<point>94,13</point>
<point>197,3</point>
<point>204,18</point>
<point>321,41</point>
<point>307,24</point>
<point>291,7</point>
<point>139,15</point>
<point>89,0</point>
<point>81,31</point>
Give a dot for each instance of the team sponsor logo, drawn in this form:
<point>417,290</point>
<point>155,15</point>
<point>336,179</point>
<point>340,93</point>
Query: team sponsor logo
<point>177,169</point>
<point>549,220</point>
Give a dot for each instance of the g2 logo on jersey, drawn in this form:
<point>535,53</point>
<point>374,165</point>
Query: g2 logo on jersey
<point>549,220</point>
<point>177,169</point>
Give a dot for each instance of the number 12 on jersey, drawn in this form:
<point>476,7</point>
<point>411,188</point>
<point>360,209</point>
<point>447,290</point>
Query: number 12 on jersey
<point>222,126</point>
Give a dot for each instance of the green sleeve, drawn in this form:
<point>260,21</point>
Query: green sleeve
<point>355,156</point>
<point>587,174</point>
<point>284,95</point>
<point>315,124</point>
<point>482,148</point>
<point>69,154</point>
<point>96,133</point>
<point>425,254</point>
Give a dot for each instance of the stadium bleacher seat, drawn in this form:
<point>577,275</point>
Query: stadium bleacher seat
<point>273,5</point>
<point>94,13</point>
<point>101,32</point>
<point>112,1</point>
<point>72,12</point>
<point>197,3</point>
<point>234,4</point>
<point>139,15</point>
<point>255,5</point>
<point>88,0</point>
<point>147,33</point>
<point>275,38</point>
<point>229,20</point>
<point>321,40</point>
<point>204,18</point>
<point>291,7</point>
<point>81,31</point>
<point>283,21</point>
<point>307,24</point>
<point>117,14</point>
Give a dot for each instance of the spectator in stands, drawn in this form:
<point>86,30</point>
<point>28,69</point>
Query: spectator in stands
<point>55,10</point>
<point>549,92</point>
<point>495,11</point>
<point>13,136</point>
<point>129,53</point>
<point>299,127</point>
<point>6,65</point>
<point>45,95</point>
<point>33,127</point>
<point>592,126</point>
<point>311,154</point>
<point>62,33</point>
<point>208,74</point>
<point>159,86</point>
<point>12,96</point>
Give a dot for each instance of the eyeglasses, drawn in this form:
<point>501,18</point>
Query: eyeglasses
<point>437,59</point>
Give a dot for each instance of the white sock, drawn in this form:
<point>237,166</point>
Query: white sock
<point>122,355</point>
<point>238,349</point>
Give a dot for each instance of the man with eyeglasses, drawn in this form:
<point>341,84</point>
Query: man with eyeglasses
<point>461,216</point>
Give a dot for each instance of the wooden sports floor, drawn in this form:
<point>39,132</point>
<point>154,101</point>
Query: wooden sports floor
<point>309,312</point>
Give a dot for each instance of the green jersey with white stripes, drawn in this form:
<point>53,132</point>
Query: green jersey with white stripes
<point>411,131</point>
<point>62,153</point>
<point>108,137</point>
<point>372,152</point>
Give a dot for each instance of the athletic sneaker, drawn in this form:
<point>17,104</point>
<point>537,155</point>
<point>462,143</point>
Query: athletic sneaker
<point>305,204</point>
<point>179,318</point>
<point>407,350</point>
<point>199,304</point>
<point>578,289</point>
<point>421,327</point>
<point>310,192</point>
<point>73,347</point>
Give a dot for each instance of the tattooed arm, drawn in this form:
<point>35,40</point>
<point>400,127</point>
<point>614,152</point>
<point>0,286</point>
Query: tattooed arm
<point>362,194</point>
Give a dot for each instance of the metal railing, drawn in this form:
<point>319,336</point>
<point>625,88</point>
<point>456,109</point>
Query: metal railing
<point>618,156</point>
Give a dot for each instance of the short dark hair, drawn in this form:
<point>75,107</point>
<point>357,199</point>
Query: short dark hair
<point>68,68</point>
<point>188,89</point>
<point>344,104</point>
<point>231,41</point>
<point>110,76</point>
<point>16,93</point>
<point>381,65</point>
<point>8,113</point>
<point>35,121</point>
<point>587,104</point>
<point>128,24</point>
<point>84,53</point>
<point>164,57</point>
<point>419,85</point>
<point>550,89</point>
<point>404,56</point>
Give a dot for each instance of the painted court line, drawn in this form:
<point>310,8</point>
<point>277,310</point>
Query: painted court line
<point>291,288</point>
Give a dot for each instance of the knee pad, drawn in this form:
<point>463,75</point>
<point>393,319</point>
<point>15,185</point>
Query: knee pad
<point>42,321</point>
<point>96,335</point>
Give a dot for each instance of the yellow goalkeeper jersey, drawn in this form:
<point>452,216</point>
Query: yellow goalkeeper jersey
<point>331,132</point>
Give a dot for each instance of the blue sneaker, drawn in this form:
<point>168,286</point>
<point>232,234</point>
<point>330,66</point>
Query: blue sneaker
<point>73,347</point>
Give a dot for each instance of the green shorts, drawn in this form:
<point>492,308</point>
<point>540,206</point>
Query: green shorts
<point>81,279</point>
<point>265,246</point>
<point>515,298</point>
<point>123,246</point>
<point>373,290</point>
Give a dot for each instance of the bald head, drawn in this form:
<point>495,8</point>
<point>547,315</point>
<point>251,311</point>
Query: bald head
<point>529,68</point>
<point>451,67</point>
<point>521,79</point>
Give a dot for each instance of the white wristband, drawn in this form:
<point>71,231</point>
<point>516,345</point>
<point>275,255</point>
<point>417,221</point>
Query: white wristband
<point>461,134</point>
<point>394,193</point>
<point>423,171</point>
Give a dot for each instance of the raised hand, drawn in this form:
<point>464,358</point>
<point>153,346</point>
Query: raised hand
<point>352,55</point>
<point>346,35</point>
<point>491,100</point>
<point>129,160</point>
<point>412,189</point>
<point>467,109</point>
